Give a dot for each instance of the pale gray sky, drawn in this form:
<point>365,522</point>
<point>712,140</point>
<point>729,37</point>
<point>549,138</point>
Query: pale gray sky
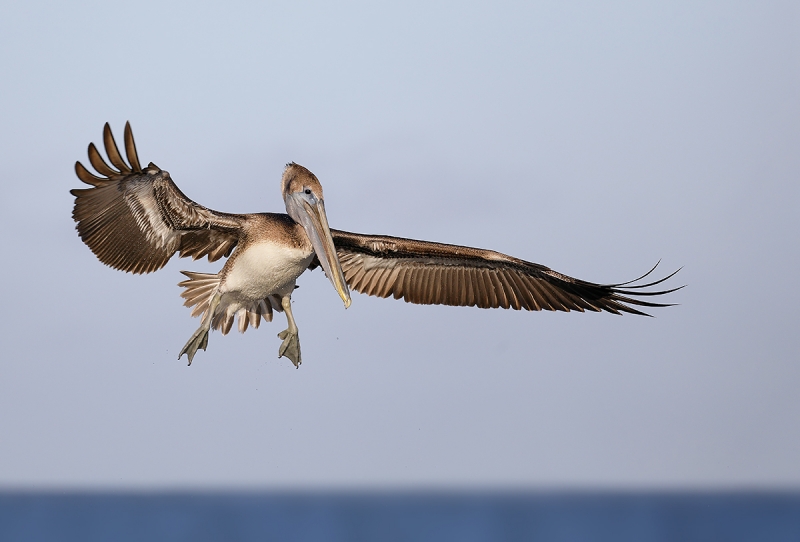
<point>591,138</point>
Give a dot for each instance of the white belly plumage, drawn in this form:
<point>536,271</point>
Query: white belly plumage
<point>263,269</point>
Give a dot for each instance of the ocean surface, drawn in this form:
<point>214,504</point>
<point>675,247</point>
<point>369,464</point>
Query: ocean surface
<point>400,516</point>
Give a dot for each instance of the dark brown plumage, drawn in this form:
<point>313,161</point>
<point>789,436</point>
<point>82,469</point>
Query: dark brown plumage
<point>135,219</point>
<point>439,274</point>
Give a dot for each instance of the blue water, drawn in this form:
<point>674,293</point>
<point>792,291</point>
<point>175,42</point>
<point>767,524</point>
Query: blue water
<point>387,516</point>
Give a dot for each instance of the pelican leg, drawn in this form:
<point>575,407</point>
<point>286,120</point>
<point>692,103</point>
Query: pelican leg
<point>290,347</point>
<point>199,339</point>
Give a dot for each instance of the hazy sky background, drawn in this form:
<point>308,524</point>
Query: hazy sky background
<point>595,138</point>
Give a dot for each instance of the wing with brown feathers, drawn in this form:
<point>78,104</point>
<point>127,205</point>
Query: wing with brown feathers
<point>134,219</point>
<point>438,274</point>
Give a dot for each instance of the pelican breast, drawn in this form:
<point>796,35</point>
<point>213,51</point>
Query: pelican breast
<point>265,267</point>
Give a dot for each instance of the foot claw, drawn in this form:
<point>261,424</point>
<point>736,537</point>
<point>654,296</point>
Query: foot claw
<point>290,347</point>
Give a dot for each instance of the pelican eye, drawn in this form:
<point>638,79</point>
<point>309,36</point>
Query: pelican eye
<point>308,191</point>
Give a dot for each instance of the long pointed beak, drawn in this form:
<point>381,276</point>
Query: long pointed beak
<point>319,233</point>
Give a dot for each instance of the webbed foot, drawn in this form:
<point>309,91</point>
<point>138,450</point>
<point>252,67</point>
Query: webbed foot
<point>198,341</point>
<point>290,347</point>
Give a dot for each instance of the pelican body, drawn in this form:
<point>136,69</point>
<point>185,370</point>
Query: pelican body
<point>135,219</point>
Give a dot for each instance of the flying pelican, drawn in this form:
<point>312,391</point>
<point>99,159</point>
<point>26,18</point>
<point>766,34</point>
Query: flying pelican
<point>135,219</point>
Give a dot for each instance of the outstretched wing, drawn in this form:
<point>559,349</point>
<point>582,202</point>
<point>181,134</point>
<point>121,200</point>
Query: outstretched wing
<point>134,219</point>
<point>438,274</point>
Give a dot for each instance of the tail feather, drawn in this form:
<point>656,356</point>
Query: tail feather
<point>201,287</point>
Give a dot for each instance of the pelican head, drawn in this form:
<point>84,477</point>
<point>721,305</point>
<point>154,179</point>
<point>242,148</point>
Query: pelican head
<point>302,193</point>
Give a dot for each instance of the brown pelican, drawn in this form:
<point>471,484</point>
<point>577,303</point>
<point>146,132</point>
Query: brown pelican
<point>135,219</point>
